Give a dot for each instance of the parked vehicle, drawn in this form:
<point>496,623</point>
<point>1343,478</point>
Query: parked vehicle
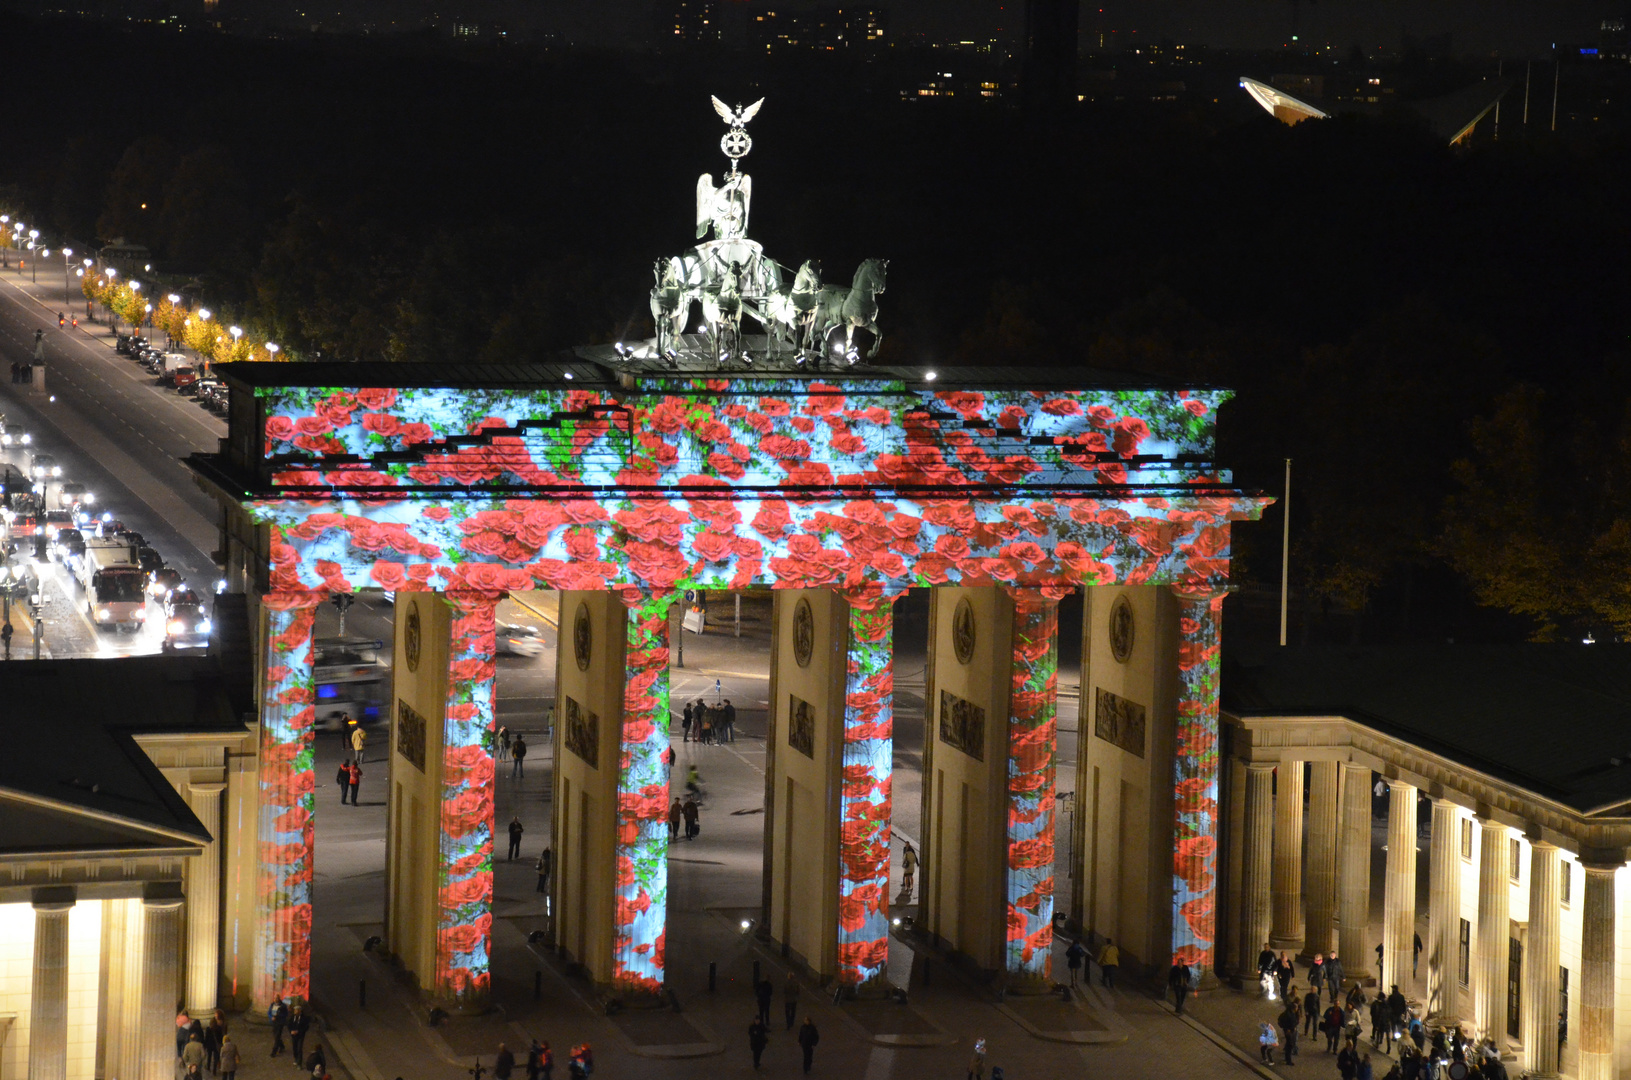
<point>182,377</point>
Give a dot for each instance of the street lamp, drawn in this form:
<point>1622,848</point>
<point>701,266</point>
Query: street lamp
<point>272,348</point>
<point>67,253</point>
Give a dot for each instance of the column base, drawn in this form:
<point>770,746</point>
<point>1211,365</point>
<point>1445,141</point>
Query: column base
<point>1289,945</point>
<point>871,990</point>
<point>1025,986</point>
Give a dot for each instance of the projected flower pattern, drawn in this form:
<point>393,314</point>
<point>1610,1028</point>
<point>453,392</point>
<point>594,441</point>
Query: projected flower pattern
<point>642,798</point>
<point>1032,748</point>
<point>287,781</point>
<point>1195,780</point>
<point>464,929</point>
<point>864,801</point>
<point>716,483</point>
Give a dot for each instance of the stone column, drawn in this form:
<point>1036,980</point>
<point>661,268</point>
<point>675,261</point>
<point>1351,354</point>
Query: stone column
<point>1288,855</point>
<point>642,798</point>
<point>1494,929</point>
<point>1444,915</point>
<point>1195,779</point>
<point>1242,953</point>
<point>864,802</point>
<point>1399,888</point>
<point>1033,741</point>
<point>1541,953</point>
<point>204,904</point>
<point>48,1011</point>
<point>464,926</point>
<point>1256,904</point>
<point>161,980</point>
<point>1597,974</point>
<point>287,781</point>
<point>1320,874</point>
<point>1354,872</point>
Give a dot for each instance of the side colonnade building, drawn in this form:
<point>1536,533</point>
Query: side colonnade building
<point>620,483</point>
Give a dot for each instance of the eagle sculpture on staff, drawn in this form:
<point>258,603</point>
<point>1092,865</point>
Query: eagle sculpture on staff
<point>737,117</point>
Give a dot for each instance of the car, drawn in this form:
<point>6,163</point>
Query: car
<point>186,625</point>
<point>149,560</point>
<point>162,581</point>
<point>43,467</point>
<point>173,372</point>
<point>110,526</point>
<point>15,435</point>
<point>123,344</point>
<point>68,545</point>
<point>71,494</point>
<point>206,388</point>
<point>55,521</point>
<point>184,379</point>
<point>512,639</point>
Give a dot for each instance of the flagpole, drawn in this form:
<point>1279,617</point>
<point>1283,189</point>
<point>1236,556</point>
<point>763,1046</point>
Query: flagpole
<point>1285,555</point>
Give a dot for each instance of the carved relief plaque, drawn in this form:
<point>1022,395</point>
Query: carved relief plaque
<point>1121,629</point>
<point>801,726</point>
<point>583,733</point>
<point>803,632</point>
<point>582,637</point>
<point>962,725</point>
<point>962,631</point>
<point>1119,721</point>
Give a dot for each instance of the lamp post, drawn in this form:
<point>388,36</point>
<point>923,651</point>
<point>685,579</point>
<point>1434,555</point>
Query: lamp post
<point>82,272</point>
<point>67,253</point>
<point>5,587</point>
<point>113,316</point>
<point>34,271</point>
<point>169,340</point>
<point>5,222</point>
<point>204,314</point>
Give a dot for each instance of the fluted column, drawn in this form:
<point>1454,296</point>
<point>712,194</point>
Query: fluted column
<point>1597,974</point>
<point>1399,889</point>
<point>116,951</point>
<point>129,1017</point>
<point>1256,903</point>
<point>1353,879</point>
<point>1444,914</point>
<point>1242,953</point>
<point>1494,928</point>
<point>204,903</point>
<point>1288,855</point>
<point>1195,778</point>
<point>48,1011</point>
<point>161,980</point>
<point>1540,960</point>
<point>1320,875</point>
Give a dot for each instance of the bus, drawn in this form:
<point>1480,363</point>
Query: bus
<point>350,679</point>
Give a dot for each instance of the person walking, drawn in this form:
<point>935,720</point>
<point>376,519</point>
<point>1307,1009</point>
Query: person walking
<point>229,1058</point>
<point>790,998</point>
<point>1398,1008</point>
<point>1347,1064</point>
<point>1381,1024</point>
<point>546,1061</point>
<point>1290,1021</point>
<point>1267,1040</point>
<point>693,814</point>
<point>343,779</point>
<point>1332,1025</point>
<point>1316,971</point>
<point>1285,974</point>
<point>516,829</point>
<point>675,813</point>
<point>730,720</point>
<point>518,750</point>
<point>1379,963</point>
<point>908,868</point>
<point>1109,961</point>
<point>192,1055</point>
<point>1178,982</point>
<point>1365,1072</point>
<point>808,1037</point>
<point>504,1063</point>
<point>503,741</point>
<point>532,1060</point>
<point>354,779</point>
<point>763,991</point>
<point>279,1015</point>
<point>1334,975</point>
<point>1073,960</point>
<point>299,1024</point>
<point>758,1036</point>
<point>359,739</point>
<point>685,723</point>
<point>1311,1010</point>
<point>212,1046</point>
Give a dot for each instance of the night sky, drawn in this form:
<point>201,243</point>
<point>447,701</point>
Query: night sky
<point>1514,27</point>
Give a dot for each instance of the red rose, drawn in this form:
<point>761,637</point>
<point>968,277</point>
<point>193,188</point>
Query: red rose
<point>279,429</point>
<point>376,399</point>
<point>313,425</point>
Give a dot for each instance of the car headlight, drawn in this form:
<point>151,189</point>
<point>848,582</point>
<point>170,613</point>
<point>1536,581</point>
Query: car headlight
<point>101,613</point>
<point>203,626</point>
<point>27,439</point>
<point>87,498</point>
<point>56,470</point>
<point>141,613</point>
<point>176,626</point>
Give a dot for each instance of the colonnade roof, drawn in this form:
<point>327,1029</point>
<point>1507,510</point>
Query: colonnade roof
<point>71,752</point>
<point>1552,719</point>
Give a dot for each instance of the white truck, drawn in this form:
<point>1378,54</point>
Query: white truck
<point>113,583</point>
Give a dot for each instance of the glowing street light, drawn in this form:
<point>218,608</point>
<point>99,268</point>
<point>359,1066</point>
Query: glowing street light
<point>272,348</point>
<point>204,313</point>
<point>174,299</point>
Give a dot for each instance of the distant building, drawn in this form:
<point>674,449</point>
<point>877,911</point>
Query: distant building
<point>691,22</point>
<point>776,26</point>
<point>1048,73</point>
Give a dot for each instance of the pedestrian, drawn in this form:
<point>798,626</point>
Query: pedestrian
<point>1334,975</point>
<point>1332,1026</point>
<point>504,1063</point>
<point>212,1047</point>
<point>790,998</point>
<point>1350,1027</point>
<point>359,739</point>
<point>730,720</point>
<point>1398,1007</point>
<point>685,723</point>
<point>1381,1024</point>
<point>5,637</point>
<point>1378,962</point>
<point>192,1055</point>
<point>1347,1064</point>
<point>763,992</point>
<point>317,1063</point>
<point>229,1058</point>
<point>355,779</point>
<point>184,1025</point>
<point>503,742</point>
<point>533,1055</point>
<point>1316,971</point>
<point>1267,1040</point>
<point>1415,952</point>
<point>1285,973</point>
<point>1073,960</point>
<point>518,750</point>
<point>1290,1021</point>
<point>1109,961</point>
<point>668,758</point>
<point>692,813</point>
<point>1365,1071</point>
<point>808,1037</point>
<point>976,1064</point>
<point>707,726</point>
<point>546,1061</point>
<point>299,1024</point>
<point>516,829</point>
<point>1178,982</point>
<point>1311,1010</point>
<point>758,1037</point>
<point>674,814</point>
<point>278,1013</point>
<point>908,868</point>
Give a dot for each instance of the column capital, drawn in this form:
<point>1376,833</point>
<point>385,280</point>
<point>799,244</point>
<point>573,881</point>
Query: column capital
<point>1199,592</point>
<point>1537,842</point>
<point>871,595</point>
<point>293,599</point>
<point>632,596</point>
<point>1487,822</point>
<point>1605,869</point>
<point>211,788</point>
<point>1261,766</point>
<point>54,897</point>
<point>1038,594</point>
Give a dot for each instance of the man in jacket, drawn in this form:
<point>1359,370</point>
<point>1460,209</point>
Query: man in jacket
<point>1178,980</point>
<point>516,829</point>
<point>790,997</point>
<point>518,751</point>
<point>1109,961</point>
<point>192,1055</point>
<point>279,1015</point>
<point>758,1037</point>
<point>1334,975</point>
<point>504,1063</point>
<point>763,992</point>
<point>1311,1010</point>
<point>299,1024</point>
<point>808,1037</point>
<point>1290,1020</point>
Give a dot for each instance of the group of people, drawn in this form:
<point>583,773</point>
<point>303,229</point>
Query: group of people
<point>202,1047</point>
<point>349,779</point>
<point>294,1021</point>
<point>540,1063</point>
<point>687,813</point>
<point>1108,959</point>
<point>764,993</point>
<point>708,723</point>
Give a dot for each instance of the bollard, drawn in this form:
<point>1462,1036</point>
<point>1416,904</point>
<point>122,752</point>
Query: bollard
<point>712,972</point>
<point>756,976</point>
<point>537,985</point>
<point>362,993</point>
